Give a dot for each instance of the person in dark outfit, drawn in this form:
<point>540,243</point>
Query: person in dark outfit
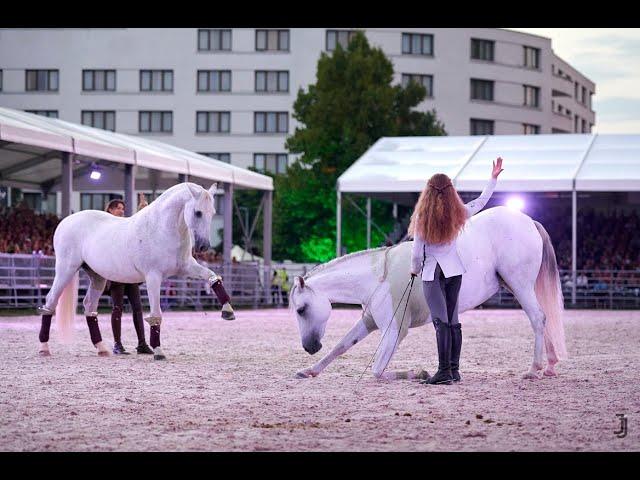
<point>436,222</point>
<point>117,291</point>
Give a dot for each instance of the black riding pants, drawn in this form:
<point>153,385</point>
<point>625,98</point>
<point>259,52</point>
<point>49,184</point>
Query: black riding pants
<point>442,296</point>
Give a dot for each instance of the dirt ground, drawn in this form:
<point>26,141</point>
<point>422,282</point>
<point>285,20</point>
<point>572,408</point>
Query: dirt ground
<point>231,386</point>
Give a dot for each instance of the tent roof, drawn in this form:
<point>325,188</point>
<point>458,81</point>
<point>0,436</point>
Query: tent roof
<point>30,146</point>
<point>532,163</point>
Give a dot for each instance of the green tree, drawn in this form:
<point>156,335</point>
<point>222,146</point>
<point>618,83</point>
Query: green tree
<point>352,104</point>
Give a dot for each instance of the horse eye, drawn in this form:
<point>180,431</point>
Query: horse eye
<point>301,310</point>
<point>198,214</point>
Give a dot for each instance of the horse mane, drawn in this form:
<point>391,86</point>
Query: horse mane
<point>331,263</point>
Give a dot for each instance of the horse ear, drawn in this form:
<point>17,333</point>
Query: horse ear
<point>213,189</point>
<point>299,282</point>
<point>190,191</point>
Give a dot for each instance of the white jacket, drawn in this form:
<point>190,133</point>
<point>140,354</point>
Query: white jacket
<point>445,254</point>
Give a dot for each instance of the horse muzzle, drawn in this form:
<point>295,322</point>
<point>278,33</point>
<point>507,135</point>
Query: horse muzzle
<point>312,347</point>
<point>202,245</point>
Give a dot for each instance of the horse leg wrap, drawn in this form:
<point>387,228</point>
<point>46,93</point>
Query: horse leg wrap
<point>94,329</point>
<point>45,328</point>
<point>221,293</point>
<point>116,323</point>
<point>155,336</point>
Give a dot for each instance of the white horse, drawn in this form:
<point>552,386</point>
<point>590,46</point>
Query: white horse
<point>497,246</point>
<point>150,246</point>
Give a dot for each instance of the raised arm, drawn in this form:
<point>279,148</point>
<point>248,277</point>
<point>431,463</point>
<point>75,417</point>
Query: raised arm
<point>478,204</point>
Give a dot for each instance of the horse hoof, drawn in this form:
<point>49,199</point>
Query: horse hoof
<point>530,376</point>
<point>305,374</point>
<point>159,357</point>
<point>550,373</point>
<point>228,315</point>
<point>44,353</point>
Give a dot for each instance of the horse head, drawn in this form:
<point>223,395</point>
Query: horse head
<point>312,311</point>
<point>198,212</point>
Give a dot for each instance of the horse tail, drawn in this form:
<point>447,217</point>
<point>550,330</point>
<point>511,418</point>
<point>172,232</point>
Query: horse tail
<point>66,308</point>
<point>549,293</point>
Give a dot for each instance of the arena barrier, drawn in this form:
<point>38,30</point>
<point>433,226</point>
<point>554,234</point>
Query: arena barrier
<point>26,279</point>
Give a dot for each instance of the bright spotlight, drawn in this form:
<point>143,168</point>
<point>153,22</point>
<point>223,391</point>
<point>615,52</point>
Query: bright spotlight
<point>515,203</point>
<point>95,175</point>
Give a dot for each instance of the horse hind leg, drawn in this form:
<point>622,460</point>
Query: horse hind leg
<point>530,305</point>
<point>90,302</point>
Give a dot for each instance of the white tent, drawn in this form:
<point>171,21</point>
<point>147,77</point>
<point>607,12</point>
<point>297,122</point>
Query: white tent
<point>51,154</point>
<point>396,168</point>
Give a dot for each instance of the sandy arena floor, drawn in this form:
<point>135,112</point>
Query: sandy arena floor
<point>232,386</point>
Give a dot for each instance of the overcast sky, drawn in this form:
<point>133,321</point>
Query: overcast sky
<point>610,57</point>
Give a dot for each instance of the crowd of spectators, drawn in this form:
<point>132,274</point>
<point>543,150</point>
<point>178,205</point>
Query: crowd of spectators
<point>24,231</point>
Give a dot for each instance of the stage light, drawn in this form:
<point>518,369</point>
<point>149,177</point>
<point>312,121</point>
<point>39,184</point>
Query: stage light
<point>515,203</point>
<point>95,173</point>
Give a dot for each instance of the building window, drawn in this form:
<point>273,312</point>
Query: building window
<point>156,121</point>
<point>482,49</point>
<point>583,100</point>
<point>270,162</point>
<point>0,80</point>
<point>214,40</point>
<point>576,121</point>
<point>156,80</point>
<point>42,80</point>
<point>99,80</point>
<point>481,127</point>
<point>272,40</point>
<point>531,57</point>
<point>214,80</point>
<point>424,80</point>
<point>213,122</point>
<point>481,89</point>
<point>531,129</point>
<point>44,113</point>
<point>271,122</point>
<point>272,81</point>
<point>584,126</point>
<point>96,201</point>
<point>531,96</point>
<point>223,157</point>
<point>339,37</point>
<point>417,44</point>
<point>99,119</point>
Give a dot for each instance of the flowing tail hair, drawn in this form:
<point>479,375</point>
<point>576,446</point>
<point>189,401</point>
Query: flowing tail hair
<point>549,293</point>
<point>66,309</point>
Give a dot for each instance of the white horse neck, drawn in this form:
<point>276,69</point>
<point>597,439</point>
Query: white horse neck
<point>348,279</point>
<point>170,206</point>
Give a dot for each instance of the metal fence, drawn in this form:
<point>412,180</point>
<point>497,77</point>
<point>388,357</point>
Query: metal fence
<point>26,279</point>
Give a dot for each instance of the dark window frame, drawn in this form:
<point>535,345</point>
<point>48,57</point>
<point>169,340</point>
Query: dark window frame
<point>210,32</point>
<point>48,82</point>
<point>265,113</point>
<point>536,129</point>
<point>478,85</point>
<point>93,113</point>
<point>105,72</point>
<point>422,38</point>
<point>279,47</point>
<point>209,73</point>
<point>421,75</point>
<point>164,72</point>
<point>45,113</point>
<point>277,157</point>
<point>350,35</point>
<point>481,45</point>
<point>536,91</point>
<point>536,57</point>
<point>266,89</point>
<point>217,155</point>
<point>1,79</point>
<point>481,121</point>
<point>207,114</point>
<point>164,114</point>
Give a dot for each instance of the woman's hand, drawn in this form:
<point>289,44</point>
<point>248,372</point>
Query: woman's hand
<point>497,168</point>
<point>414,274</point>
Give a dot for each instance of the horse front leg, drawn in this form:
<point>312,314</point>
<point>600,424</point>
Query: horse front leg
<point>195,270</point>
<point>154,280</point>
<point>357,333</point>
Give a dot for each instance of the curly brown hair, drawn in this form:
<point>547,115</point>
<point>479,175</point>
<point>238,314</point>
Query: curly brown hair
<point>113,204</point>
<point>439,214</point>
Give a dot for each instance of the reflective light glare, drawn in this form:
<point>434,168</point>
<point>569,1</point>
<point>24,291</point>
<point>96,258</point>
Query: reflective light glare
<point>515,203</point>
<point>95,175</point>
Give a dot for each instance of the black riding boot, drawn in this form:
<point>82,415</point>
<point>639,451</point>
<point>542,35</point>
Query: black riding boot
<point>443,337</point>
<point>456,346</point>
